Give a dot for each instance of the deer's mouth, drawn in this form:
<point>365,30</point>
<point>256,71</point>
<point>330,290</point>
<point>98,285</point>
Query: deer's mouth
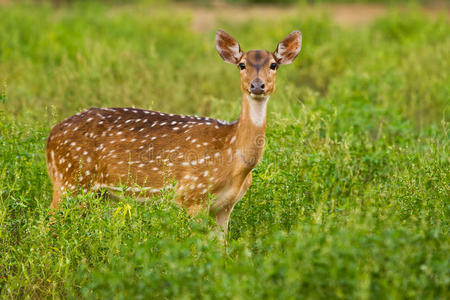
<point>258,96</point>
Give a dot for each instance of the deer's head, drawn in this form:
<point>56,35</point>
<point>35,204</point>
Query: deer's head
<point>258,68</point>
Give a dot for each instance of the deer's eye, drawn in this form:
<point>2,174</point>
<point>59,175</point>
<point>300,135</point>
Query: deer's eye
<point>242,66</point>
<point>273,66</point>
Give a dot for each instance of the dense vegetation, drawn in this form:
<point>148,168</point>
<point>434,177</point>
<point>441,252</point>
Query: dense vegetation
<point>349,201</point>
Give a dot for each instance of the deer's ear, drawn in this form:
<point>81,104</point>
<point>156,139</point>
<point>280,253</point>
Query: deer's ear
<point>228,47</point>
<point>288,49</point>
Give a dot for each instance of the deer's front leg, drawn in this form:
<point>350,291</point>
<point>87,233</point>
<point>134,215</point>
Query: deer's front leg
<point>223,214</point>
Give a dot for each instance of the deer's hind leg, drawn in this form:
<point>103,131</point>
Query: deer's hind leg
<point>58,192</point>
<point>55,198</point>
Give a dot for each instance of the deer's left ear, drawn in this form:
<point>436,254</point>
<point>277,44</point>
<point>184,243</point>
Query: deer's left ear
<point>288,49</point>
<point>228,47</point>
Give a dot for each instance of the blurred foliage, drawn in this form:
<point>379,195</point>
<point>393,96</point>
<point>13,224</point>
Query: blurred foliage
<point>349,201</point>
<point>209,2</point>
<point>324,1</point>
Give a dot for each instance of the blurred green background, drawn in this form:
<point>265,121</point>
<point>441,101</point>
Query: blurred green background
<point>351,199</point>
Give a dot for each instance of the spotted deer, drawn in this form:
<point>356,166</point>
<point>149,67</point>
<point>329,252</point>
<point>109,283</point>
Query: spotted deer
<point>139,152</point>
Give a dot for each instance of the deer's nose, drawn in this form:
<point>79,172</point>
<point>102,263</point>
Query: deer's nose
<point>257,86</point>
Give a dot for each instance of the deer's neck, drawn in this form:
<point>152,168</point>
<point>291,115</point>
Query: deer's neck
<point>251,130</point>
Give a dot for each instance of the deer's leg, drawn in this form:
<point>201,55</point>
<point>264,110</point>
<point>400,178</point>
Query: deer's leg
<point>55,198</point>
<point>223,215</point>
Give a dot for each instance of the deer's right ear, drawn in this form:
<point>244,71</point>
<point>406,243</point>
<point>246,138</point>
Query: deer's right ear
<point>228,47</point>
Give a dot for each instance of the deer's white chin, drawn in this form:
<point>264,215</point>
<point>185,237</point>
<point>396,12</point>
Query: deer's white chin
<point>259,97</point>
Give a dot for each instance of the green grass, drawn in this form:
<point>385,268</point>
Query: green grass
<point>351,199</point>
